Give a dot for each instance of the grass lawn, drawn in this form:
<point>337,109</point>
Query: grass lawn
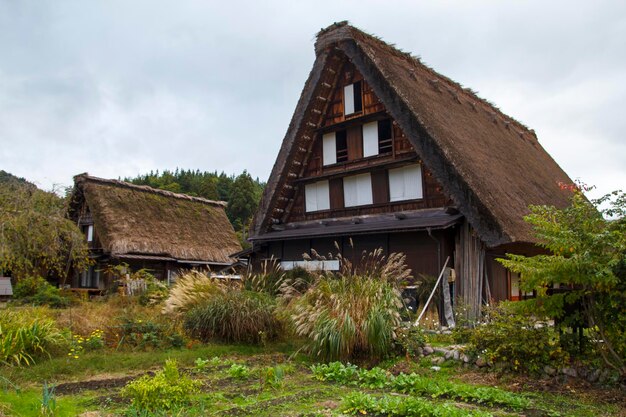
<point>91,385</point>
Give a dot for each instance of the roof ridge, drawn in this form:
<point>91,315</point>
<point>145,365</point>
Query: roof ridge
<point>145,188</point>
<point>342,28</point>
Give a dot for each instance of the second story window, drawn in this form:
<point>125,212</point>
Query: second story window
<point>405,183</point>
<point>357,190</point>
<point>377,138</point>
<point>335,147</point>
<point>352,99</point>
<point>317,196</point>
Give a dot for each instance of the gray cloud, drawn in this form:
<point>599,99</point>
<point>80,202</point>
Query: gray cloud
<point>119,88</point>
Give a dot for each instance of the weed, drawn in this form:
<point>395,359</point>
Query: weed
<point>375,378</point>
<point>48,400</point>
<point>335,372</point>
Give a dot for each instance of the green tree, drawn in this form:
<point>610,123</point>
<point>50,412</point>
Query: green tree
<point>587,253</point>
<point>242,202</point>
<point>36,238</point>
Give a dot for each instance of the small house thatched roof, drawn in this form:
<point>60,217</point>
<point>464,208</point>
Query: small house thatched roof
<point>492,166</point>
<point>135,219</point>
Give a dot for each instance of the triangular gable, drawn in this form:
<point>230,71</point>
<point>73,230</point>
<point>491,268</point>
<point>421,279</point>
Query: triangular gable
<point>489,164</point>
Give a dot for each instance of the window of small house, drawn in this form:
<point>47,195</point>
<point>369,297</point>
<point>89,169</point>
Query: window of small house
<point>377,138</point>
<point>335,147</point>
<point>357,190</point>
<point>405,183</point>
<point>89,232</point>
<point>352,99</point>
<point>317,196</point>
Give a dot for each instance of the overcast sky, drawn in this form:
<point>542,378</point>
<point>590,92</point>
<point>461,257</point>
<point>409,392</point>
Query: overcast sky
<point>118,88</point>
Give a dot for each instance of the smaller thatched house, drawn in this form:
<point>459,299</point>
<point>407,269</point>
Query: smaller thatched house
<point>148,228</point>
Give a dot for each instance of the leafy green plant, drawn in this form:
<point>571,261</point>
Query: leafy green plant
<point>138,333</point>
<point>358,403</point>
<point>239,371</point>
<point>24,337</point>
<point>375,378</point>
<point>165,390</point>
<point>419,385</point>
<point>239,316</point>
<point>515,341</point>
<point>335,372</point>
<point>202,364</point>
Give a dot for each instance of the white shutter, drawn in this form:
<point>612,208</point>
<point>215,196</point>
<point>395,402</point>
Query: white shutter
<point>364,189</point>
<point>357,190</point>
<point>323,195</point>
<point>349,192</point>
<point>90,233</point>
<point>370,139</point>
<point>348,99</point>
<point>330,148</point>
<point>317,196</point>
<point>405,183</point>
<point>413,182</point>
<point>310,194</point>
<point>396,184</point>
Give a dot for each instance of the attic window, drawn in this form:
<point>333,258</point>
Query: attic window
<point>89,232</point>
<point>352,99</point>
<point>317,196</point>
<point>335,147</point>
<point>405,183</point>
<point>377,138</point>
<point>357,190</point>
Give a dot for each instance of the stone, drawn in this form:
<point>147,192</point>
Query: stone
<point>440,350</point>
<point>448,355</point>
<point>436,368</point>
<point>481,362</point>
<point>550,371</point>
<point>571,372</point>
<point>593,375</point>
<point>438,360</point>
<point>428,350</point>
<point>456,355</point>
<point>420,351</point>
<point>465,358</point>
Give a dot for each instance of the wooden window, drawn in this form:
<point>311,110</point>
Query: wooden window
<point>352,99</point>
<point>385,136</point>
<point>317,196</point>
<point>377,137</point>
<point>370,139</point>
<point>405,183</point>
<point>357,190</point>
<point>89,232</point>
<point>335,147</point>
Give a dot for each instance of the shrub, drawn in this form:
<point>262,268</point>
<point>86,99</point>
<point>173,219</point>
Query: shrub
<point>375,378</point>
<point>517,341</point>
<point>349,316</point>
<point>25,336</point>
<point>165,390</point>
<point>238,316</point>
<point>409,339</point>
<point>38,291</point>
<point>139,333</point>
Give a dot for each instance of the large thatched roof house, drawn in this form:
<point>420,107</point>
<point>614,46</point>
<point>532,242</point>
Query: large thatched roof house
<point>382,151</point>
<point>148,228</point>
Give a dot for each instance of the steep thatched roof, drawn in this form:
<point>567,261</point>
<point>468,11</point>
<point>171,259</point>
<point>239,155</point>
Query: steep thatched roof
<point>134,219</point>
<point>492,166</point>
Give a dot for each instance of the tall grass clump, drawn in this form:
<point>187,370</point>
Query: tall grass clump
<point>238,315</point>
<point>26,336</point>
<point>354,313</point>
<point>191,289</point>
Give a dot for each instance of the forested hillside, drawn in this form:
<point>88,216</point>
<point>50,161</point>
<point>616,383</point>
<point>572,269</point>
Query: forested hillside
<point>242,192</point>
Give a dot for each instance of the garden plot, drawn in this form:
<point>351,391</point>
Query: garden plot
<point>270,384</point>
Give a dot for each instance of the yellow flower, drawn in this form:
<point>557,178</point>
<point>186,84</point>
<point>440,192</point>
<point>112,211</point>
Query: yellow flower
<point>75,356</point>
